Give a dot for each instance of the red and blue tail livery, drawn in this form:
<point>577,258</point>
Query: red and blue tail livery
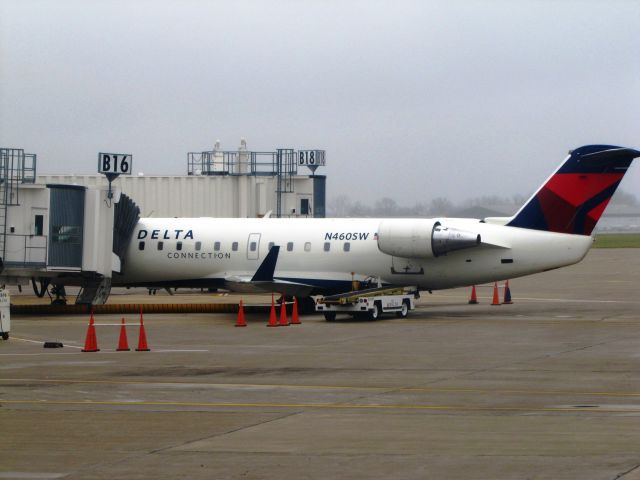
<point>576,195</point>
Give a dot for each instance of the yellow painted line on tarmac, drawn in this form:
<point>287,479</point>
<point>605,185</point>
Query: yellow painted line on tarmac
<point>207,384</point>
<point>332,387</point>
<point>522,392</point>
<point>328,406</point>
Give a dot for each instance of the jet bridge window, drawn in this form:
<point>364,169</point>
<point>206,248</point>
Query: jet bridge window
<point>67,234</point>
<point>234,246</point>
<point>305,208</point>
<point>39,223</point>
<point>198,246</point>
<point>160,245</point>
<point>179,246</point>
<point>327,246</point>
<point>140,245</point>
<point>347,246</point>
<point>216,246</point>
<point>290,247</point>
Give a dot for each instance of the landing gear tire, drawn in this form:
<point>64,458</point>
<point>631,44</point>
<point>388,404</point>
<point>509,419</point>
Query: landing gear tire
<point>306,305</point>
<point>5,335</point>
<point>404,311</point>
<point>330,316</point>
<point>376,312</point>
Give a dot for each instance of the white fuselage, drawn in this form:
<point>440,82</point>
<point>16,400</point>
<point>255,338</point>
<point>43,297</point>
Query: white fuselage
<point>206,249</point>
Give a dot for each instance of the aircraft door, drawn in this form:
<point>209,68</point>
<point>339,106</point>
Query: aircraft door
<point>253,246</point>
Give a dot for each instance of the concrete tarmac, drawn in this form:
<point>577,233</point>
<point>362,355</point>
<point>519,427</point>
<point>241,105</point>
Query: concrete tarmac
<point>546,388</point>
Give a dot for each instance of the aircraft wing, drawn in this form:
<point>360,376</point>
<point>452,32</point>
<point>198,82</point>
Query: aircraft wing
<point>264,281</point>
<point>246,285</point>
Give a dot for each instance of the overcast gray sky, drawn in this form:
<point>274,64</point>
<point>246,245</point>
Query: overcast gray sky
<point>411,100</point>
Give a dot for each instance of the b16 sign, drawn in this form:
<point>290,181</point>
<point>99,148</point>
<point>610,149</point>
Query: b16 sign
<point>120,163</point>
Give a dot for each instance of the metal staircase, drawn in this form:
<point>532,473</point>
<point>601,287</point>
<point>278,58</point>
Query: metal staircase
<point>16,167</point>
<point>8,157</point>
<point>286,167</point>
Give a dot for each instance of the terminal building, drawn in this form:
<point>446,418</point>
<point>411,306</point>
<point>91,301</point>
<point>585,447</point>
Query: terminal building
<point>218,183</point>
<point>58,230</point>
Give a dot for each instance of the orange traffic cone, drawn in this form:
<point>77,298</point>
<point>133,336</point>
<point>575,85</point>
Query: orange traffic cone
<point>142,338</point>
<point>123,344</point>
<point>283,313</point>
<point>241,321</point>
<point>496,297</point>
<point>273,321</point>
<point>507,294</point>
<point>91,342</point>
<point>474,297</point>
<point>295,319</point>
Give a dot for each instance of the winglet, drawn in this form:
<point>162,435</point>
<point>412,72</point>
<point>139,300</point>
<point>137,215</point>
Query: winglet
<point>267,267</point>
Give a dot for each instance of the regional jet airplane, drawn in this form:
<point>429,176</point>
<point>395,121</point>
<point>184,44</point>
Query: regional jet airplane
<point>319,256</point>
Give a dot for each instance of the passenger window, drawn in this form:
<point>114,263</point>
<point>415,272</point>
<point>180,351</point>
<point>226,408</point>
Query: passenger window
<point>179,246</point>
<point>198,246</point>
<point>271,244</point>
<point>347,246</point>
<point>307,246</point>
<point>140,245</point>
<point>160,245</point>
<point>290,247</point>
<point>234,246</point>
<point>327,246</point>
<point>216,246</point>
<point>252,246</point>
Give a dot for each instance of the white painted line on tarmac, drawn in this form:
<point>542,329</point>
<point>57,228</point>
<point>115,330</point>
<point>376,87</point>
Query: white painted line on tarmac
<point>178,350</point>
<point>95,353</point>
<point>37,354</point>
<point>26,340</point>
<point>98,352</point>
<point>32,475</point>
<point>161,350</point>
<point>574,300</point>
<point>536,299</point>
<point>42,342</point>
<point>116,324</point>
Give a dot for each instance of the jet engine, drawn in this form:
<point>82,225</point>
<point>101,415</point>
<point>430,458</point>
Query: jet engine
<point>422,238</point>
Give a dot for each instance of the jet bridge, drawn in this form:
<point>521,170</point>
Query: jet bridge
<point>54,235</point>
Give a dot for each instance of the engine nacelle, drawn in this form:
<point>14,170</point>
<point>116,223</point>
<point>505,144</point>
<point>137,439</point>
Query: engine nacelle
<point>445,240</point>
<point>422,238</point>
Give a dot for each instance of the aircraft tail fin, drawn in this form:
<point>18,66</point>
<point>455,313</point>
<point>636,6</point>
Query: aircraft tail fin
<point>575,196</point>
